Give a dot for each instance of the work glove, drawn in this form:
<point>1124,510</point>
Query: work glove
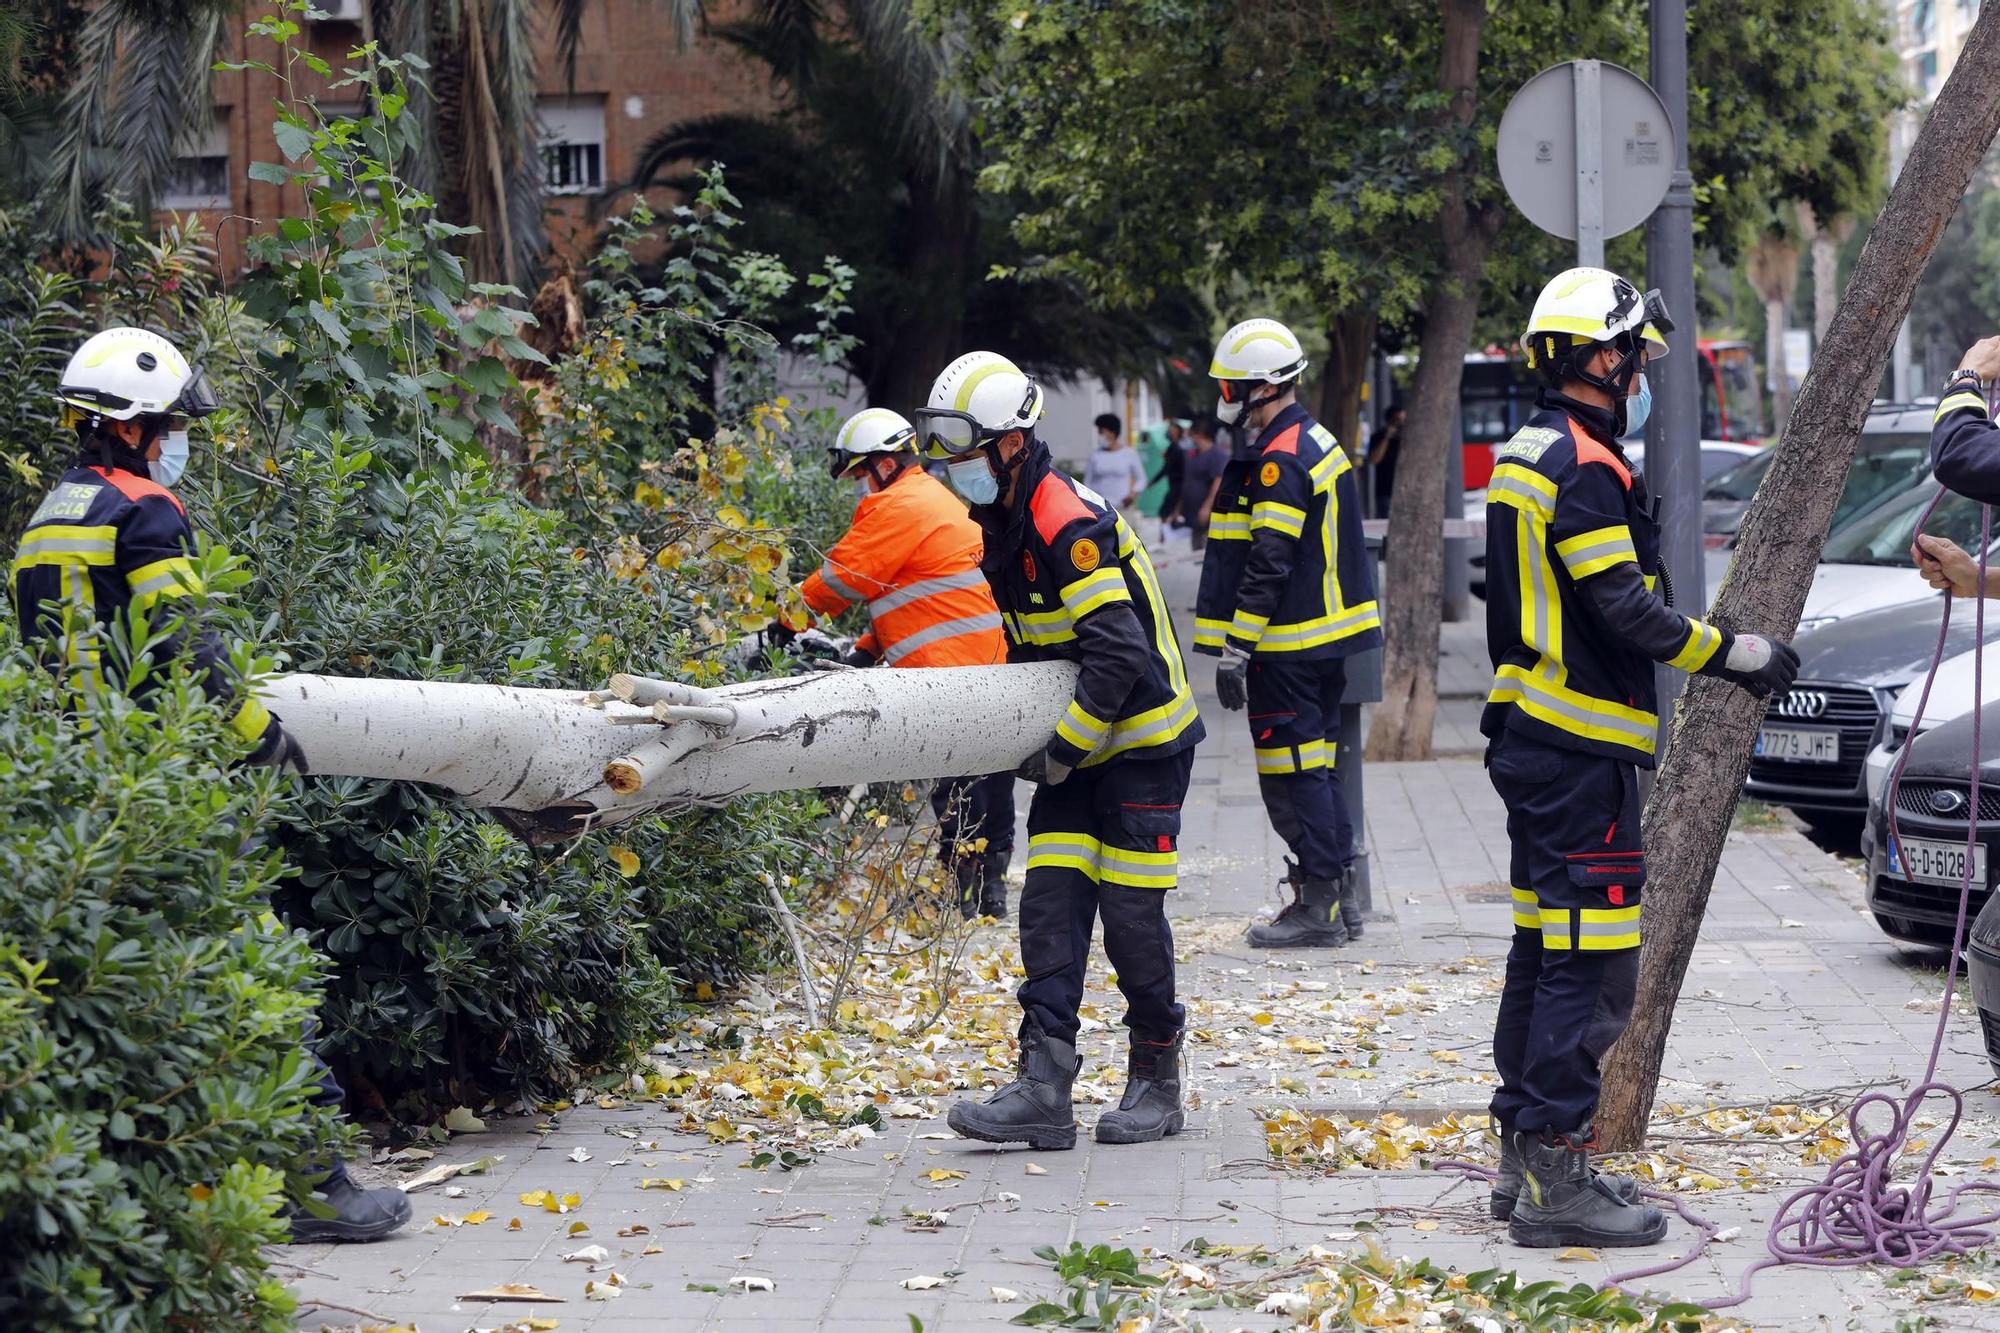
<point>1038,768</point>
<point>857,657</point>
<point>1232,678</point>
<point>1760,665</point>
<point>279,749</point>
<point>778,634</point>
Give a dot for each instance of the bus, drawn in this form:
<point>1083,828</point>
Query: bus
<point>1496,396</point>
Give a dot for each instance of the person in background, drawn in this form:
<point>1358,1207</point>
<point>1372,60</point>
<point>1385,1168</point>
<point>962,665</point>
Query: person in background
<point>1382,451</point>
<point>1150,445</point>
<point>1171,473</point>
<point>1114,470</point>
<point>1201,475</point>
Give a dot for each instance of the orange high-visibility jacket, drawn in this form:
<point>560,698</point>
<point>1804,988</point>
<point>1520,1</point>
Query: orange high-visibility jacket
<point>912,555</point>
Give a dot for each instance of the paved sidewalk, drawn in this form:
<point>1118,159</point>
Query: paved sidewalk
<point>1793,995</point>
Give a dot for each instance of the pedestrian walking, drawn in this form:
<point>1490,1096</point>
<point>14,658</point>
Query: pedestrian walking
<point>1114,469</point>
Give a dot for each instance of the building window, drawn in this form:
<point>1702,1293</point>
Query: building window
<point>572,138</point>
<point>1923,22</point>
<point>1927,76</point>
<point>199,177</point>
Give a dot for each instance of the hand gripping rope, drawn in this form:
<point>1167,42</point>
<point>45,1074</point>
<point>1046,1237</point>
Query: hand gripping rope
<point>1858,1214</point>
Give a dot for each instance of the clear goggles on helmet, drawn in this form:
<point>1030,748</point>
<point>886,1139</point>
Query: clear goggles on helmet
<point>948,434</point>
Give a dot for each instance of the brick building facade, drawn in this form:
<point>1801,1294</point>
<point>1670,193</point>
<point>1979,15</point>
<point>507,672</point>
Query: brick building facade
<point>632,80</point>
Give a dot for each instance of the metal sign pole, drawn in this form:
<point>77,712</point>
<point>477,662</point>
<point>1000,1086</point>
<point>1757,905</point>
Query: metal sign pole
<point>1589,164</point>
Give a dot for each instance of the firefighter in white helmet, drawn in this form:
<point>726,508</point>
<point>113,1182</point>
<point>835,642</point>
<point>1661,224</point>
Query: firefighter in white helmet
<point>1287,596</point>
<point>1574,627</point>
<point>1073,583</point>
<point>911,556</point>
<point>113,539</point>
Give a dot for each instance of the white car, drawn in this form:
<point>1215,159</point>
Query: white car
<point>1950,699</point>
<point>1866,564</point>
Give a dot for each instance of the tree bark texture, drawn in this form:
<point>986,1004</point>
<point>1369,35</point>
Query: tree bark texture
<point>1414,552</point>
<point>1350,338</point>
<point>1689,814</point>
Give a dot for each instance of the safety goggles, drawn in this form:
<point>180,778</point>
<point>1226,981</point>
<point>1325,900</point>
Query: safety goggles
<point>197,397</point>
<point>949,434</point>
<point>1631,301</point>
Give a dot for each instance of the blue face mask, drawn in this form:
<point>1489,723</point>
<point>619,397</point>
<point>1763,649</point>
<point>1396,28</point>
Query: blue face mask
<point>1638,406</point>
<point>971,478</point>
<point>173,459</point>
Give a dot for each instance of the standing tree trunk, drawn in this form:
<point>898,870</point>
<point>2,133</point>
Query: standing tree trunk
<point>942,235</point>
<point>1774,272</point>
<point>1688,817</point>
<point>1350,337</point>
<point>1826,244</point>
<point>1414,552</point>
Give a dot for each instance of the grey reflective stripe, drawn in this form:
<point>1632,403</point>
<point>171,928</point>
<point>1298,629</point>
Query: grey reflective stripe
<point>1111,862</point>
<point>944,629</point>
<point>33,545</point>
<point>1541,591</point>
<point>1609,546</point>
<point>1278,636</point>
<point>833,580</point>
<point>1606,929</point>
<point>1057,844</point>
<point>903,596</point>
<point>1541,504</point>
<point>166,578</point>
<point>1183,709</point>
<point>1527,684</point>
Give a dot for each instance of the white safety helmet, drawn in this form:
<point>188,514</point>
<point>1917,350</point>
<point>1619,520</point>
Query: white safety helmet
<point>1259,350</point>
<point>124,373</point>
<point>1592,305</point>
<point>979,397</point>
<point>873,430</point>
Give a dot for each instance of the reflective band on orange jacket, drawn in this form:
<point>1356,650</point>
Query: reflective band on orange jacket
<point>912,556</point>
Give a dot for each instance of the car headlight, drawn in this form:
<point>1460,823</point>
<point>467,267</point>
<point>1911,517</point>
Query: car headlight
<point>1814,622</point>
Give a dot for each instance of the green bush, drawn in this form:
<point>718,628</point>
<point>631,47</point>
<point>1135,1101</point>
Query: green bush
<point>152,1086</point>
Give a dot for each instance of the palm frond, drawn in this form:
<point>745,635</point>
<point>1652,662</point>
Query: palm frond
<point>86,110</point>
<point>927,113</point>
<point>750,145</point>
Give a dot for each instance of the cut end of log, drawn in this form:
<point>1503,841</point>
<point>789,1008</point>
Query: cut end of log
<point>623,685</point>
<point>622,776</point>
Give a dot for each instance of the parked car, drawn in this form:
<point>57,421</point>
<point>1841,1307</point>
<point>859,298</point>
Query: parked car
<point>1892,455</point>
<point>1866,564</point>
<point>1818,737</point>
<point>1950,696</point>
<point>1717,456</point>
<point>1915,877</point>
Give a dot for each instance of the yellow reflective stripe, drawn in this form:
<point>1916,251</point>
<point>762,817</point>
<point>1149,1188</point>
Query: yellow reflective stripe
<point>67,544</point>
<point>1522,488</point>
<point>1548,700</point>
<point>1138,870</point>
<point>172,577</point>
<point>1210,633</point>
<point>1064,851</point>
<point>1963,398</point>
<point>1334,462</point>
<point>1229,527</point>
<point>1592,552</point>
<point>1080,728</point>
<point>1102,588</point>
<point>250,720</point>
<point>1527,910</point>
<point>1303,758</point>
<point>1155,726</point>
<point>1164,639</point>
<point>1298,635</point>
<point>1248,626</point>
<point>1288,519</point>
<point>1042,627</point>
<point>1702,642</point>
<point>1599,929</point>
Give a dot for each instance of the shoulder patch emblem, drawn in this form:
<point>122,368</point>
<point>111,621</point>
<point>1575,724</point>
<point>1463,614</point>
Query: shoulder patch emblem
<point>1028,565</point>
<point>1530,442</point>
<point>1269,476</point>
<point>1083,554</point>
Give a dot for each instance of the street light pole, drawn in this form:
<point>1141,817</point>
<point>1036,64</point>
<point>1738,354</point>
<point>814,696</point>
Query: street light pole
<point>1673,436</point>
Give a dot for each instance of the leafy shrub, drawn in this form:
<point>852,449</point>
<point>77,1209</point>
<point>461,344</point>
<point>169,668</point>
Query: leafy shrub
<point>152,1086</point>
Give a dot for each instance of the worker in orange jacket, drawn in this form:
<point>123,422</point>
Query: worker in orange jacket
<point>912,556</point>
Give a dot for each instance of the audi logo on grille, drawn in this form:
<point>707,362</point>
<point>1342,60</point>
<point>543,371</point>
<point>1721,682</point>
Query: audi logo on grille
<point>1803,703</point>
<point>1947,801</point>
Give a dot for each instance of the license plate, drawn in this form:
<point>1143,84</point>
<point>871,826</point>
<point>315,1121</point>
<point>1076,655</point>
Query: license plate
<point>1936,862</point>
<point>1795,746</point>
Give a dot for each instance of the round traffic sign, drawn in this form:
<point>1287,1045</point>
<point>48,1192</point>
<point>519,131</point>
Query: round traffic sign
<point>1537,149</point>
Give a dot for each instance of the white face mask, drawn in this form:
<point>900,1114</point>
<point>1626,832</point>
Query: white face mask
<point>173,460</point>
<point>1227,412</point>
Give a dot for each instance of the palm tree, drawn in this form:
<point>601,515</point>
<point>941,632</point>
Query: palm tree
<point>139,78</point>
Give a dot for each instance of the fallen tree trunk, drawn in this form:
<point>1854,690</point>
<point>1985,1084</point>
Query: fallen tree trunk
<point>1689,815</point>
<point>553,762</point>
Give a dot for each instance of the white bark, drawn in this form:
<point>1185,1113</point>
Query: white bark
<point>560,760</point>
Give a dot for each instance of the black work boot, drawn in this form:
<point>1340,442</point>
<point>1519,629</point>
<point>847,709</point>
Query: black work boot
<point>1309,921</point>
<point>1350,904</point>
<point>966,872</point>
<point>993,884</point>
<point>357,1214</point>
<point>1563,1203</point>
<point>1151,1106</point>
<point>1507,1180</point>
<point>1035,1108</point>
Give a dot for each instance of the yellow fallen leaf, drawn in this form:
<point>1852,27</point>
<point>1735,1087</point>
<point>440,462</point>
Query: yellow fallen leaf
<point>636,1229</point>
<point>939,1173</point>
<point>537,1198</point>
<point>654,1249</point>
<point>1427,1226</point>
<point>570,1201</point>
<point>1576,1254</point>
<point>579,1228</point>
<point>663,1183</point>
<point>511,1291</point>
<point>626,860</point>
<point>542,1323</point>
<point>1262,1020</point>
<point>200,1193</point>
<point>513,1224</point>
<point>474,1219</point>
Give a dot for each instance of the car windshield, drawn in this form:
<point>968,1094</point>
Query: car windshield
<point>1715,462</point>
<point>1884,463</point>
<point>1883,536</point>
